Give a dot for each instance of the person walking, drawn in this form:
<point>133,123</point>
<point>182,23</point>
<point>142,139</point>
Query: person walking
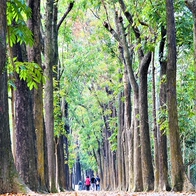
<point>97,183</point>
<point>80,185</point>
<point>87,183</point>
<point>93,183</point>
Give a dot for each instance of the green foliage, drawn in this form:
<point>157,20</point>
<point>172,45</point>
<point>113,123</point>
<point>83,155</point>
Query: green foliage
<point>186,109</point>
<point>17,13</point>
<point>184,27</point>
<point>28,71</point>
<point>90,67</point>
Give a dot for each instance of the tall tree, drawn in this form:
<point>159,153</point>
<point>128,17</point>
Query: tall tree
<point>24,126</point>
<point>48,95</point>
<point>178,176</point>
<point>24,131</point>
<point>60,139</point>
<point>144,62</point>
<point>34,55</point>
<point>162,137</point>
<point>10,182</point>
<point>51,61</point>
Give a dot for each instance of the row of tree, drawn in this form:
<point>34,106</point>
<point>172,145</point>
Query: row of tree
<point>34,150</point>
<point>94,111</point>
<point>141,41</point>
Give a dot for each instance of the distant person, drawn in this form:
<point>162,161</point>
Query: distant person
<point>80,185</point>
<point>93,183</point>
<point>97,183</point>
<point>87,183</point>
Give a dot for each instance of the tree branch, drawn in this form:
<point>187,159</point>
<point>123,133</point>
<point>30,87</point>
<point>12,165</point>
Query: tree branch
<point>129,18</point>
<point>65,14</point>
<point>111,30</point>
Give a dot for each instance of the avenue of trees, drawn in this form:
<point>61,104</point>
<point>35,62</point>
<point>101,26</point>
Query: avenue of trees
<point>102,86</point>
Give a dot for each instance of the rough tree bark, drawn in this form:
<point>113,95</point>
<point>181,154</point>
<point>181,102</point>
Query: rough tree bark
<point>34,55</point>
<point>9,179</point>
<point>162,137</point>
<point>24,127</point>
<point>147,168</point>
<point>178,176</point>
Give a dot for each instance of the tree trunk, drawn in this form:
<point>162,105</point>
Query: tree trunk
<point>61,164</point>
<point>178,177</point>
<point>119,138</point>
<point>34,55</point>
<point>9,178</point>
<point>48,95</point>
<point>3,36</point>
<point>162,137</point>
<point>78,170</point>
<point>26,157</point>
<point>138,184</point>
<point>155,129</point>
<point>128,130</point>
<point>147,168</point>
<point>65,141</point>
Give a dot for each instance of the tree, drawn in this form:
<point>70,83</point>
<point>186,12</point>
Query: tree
<point>25,159</point>
<point>51,61</point>
<point>10,181</point>
<point>34,55</point>
<point>48,96</point>
<point>178,176</point>
<point>18,36</point>
<point>162,136</point>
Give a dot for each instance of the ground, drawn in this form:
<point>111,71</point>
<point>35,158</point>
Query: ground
<point>107,193</point>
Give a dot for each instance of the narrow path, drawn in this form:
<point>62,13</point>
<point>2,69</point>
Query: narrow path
<point>114,193</point>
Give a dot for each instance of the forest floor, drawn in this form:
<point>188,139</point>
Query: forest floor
<point>107,193</point>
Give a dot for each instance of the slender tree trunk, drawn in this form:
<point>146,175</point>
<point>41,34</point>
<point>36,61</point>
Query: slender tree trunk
<point>3,36</point>
<point>155,129</point>
<point>48,95</point>
<point>54,59</point>
<point>177,168</point>
<point>147,168</point>
<point>138,184</point>
<point>162,137</point>
<point>129,133</point>
<point>119,138</point>
<point>65,142</point>
<point>61,164</point>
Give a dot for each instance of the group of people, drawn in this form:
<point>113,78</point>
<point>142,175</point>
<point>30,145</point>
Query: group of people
<point>91,183</point>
